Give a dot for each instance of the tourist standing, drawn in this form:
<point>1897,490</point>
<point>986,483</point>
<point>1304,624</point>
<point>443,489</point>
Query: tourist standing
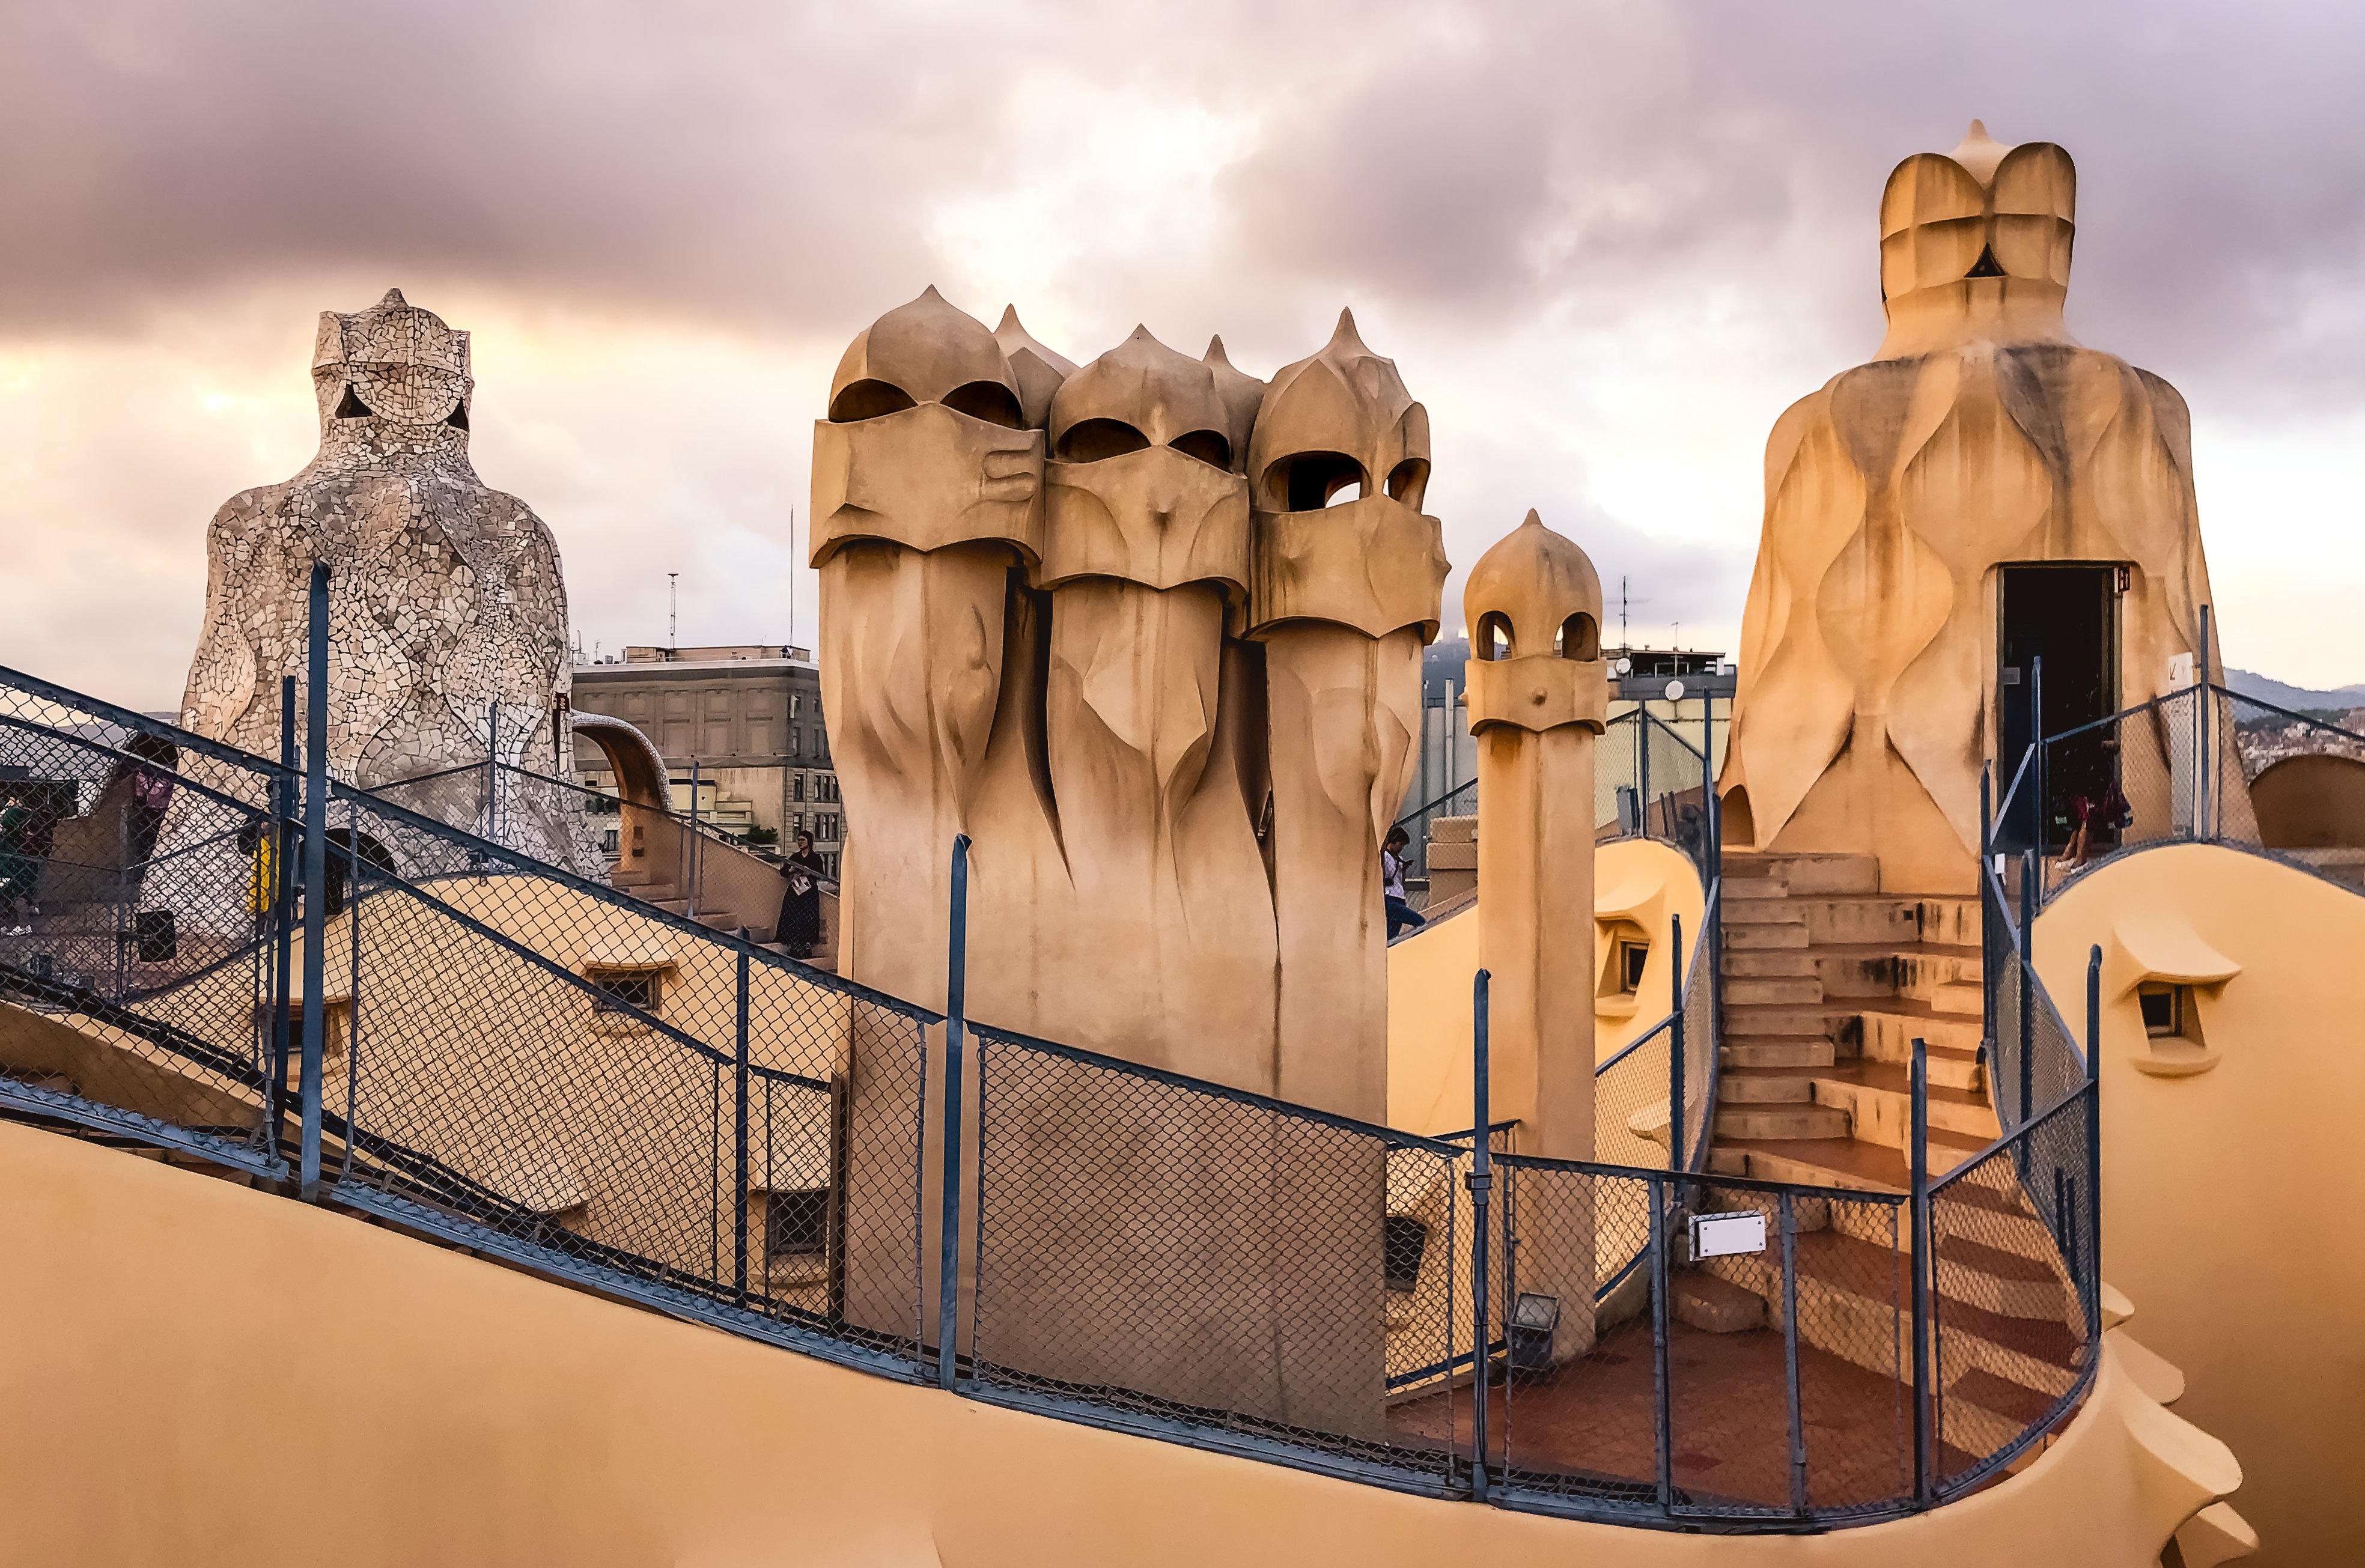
<point>1401,914</point>
<point>799,930</point>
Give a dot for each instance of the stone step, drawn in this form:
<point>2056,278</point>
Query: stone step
<point>1775,1050</point>
<point>1765,1085</point>
<point>1783,1018</point>
<point>1877,1097</point>
<point>1885,1031</point>
<point>1772,990</point>
<point>1714,1306</point>
<point>1807,873</point>
<point>1744,912</point>
<point>1848,1162</point>
<point>672,906</point>
<point>1755,887</point>
<point>1957,997</point>
<point>1890,918</point>
<point>1892,968</point>
<point>1765,935</point>
<point>2005,1284</point>
<point>1852,1292</point>
<point>1740,1119</point>
<point>1768,963</point>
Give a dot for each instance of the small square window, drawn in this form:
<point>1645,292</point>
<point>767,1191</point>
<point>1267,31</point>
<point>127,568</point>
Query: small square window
<point>2163,1008</point>
<point>614,989</point>
<point>1633,957</point>
<point>1405,1240</point>
<point>796,1224</point>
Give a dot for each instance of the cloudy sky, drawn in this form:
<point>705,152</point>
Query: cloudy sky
<point>1605,243</point>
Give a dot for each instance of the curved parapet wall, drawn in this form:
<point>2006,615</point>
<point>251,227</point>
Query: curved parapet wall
<point>2230,1173</point>
<point>483,1416</point>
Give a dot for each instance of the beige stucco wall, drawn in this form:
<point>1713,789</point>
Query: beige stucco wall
<point>215,1375</point>
<point>2231,1196</point>
<point>1430,975</point>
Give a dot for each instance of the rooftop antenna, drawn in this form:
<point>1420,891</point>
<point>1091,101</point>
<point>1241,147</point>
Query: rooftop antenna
<point>673,612</point>
<point>1623,639</point>
<point>792,577</point>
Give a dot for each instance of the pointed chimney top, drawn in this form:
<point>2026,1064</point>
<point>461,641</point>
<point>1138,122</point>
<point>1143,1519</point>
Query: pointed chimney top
<point>1979,152</point>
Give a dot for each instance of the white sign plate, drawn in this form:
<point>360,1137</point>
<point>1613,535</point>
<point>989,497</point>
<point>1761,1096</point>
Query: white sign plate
<point>1728,1236</point>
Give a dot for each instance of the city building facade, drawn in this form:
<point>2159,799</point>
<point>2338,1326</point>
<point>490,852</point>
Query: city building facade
<point>745,720</point>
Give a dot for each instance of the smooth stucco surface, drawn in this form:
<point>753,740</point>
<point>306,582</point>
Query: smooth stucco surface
<point>2231,1195</point>
<point>1638,884</point>
<point>196,1373</point>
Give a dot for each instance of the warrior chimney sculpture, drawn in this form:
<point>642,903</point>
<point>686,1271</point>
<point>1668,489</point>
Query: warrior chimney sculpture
<point>1104,622</point>
<point>1981,438</point>
<point>447,611</point>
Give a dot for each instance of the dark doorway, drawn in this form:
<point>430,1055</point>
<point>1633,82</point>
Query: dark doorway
<point>2067,618</point>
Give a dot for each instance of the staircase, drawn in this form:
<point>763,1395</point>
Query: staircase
<point>1828,981</point>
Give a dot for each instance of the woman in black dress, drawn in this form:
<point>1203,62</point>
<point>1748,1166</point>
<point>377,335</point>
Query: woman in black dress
<point>799,930</point>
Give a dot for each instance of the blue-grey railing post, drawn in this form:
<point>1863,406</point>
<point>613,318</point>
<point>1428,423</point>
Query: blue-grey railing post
<point>1790,1351</point>
<point>690,847</point>
<point>493,774</point>
<point>2032,867</point>
<point>276,862</point>
<point>739,1139</point>
<point>316,879</point>
<point>1675,1046</point>
<point>354,864</point>
<point>1481,1182</point>
<point>1661,1387</point>
<point>2094,1140</point>
<point>1987,917</point>
<point>948,1237</point>
<point>2036,738</point>
<point>1642,770</point>
<point>2203,810</point>
<point>1924,1404</point>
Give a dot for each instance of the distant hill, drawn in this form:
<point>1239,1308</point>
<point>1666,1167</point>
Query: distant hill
<point>2282,696</point>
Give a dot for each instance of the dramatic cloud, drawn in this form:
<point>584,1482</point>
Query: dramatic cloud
<point>1607,244</point>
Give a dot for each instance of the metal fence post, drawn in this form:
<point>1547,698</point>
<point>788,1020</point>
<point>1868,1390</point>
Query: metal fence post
<point>2094,1138</point>
<point>739,1139</point>
<point>1923,1405</point>
<point>1675,1046</point>
<point>2044,802</point>
<point>275,892</point>
<point>1481,1182</point>
<point>2032,867</point>
<point>690,847</point>
<point>1987,915</point>
<point>316,879</point>
<point>2200,727</point>
<point>1663,1405</point>
<point>948,1237</point>
<point>1790,1352</point>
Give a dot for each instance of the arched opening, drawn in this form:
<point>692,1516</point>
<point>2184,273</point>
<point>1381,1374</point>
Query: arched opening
<point>1579,638</point>
<point>1738,829</point>
<point>1408,481</point>
<point>350,407</point>
<point>988,400</point>
<point>867,399</point>
<point>1210,447</point>
<point>1097,441</point>
<point>1493,639</point>
<point>1309,481</point>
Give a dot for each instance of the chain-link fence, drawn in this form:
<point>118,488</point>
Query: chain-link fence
<point>144,897</point>
<point>522,1060</point>
<point>2202,765</point>
<point>598,1081</point>
<point>1163,1252</point>
<point>1650,781</point>
<point>2015,1308</point>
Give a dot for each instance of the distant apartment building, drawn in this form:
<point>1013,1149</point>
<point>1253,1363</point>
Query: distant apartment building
<point>749,718</point>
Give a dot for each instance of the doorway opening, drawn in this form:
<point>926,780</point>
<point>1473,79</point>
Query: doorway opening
<point>2066,617</point>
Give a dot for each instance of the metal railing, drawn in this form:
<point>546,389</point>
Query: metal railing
<point>2204,765</point>
<point>494,1050</point>
<point>1650,781</point>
